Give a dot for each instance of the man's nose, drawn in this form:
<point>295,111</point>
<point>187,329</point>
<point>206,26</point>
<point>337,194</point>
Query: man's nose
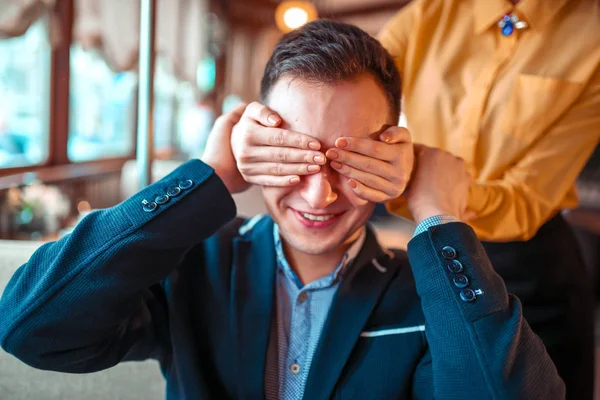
<point>317,189</point>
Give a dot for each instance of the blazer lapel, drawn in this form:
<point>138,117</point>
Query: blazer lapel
<point>253,290</point>
<point>355,300</point>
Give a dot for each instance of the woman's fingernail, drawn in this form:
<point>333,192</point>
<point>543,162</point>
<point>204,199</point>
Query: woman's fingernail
<point>336,165</point>
<point>341,143</point>
<point>352,184</point>
<point>319,159</point>
<point>294,180</point>
<point>314,145</point>
<point>273,119</point>
<point>332,154</point>
<point>385,138</point>
<point>314,168</point>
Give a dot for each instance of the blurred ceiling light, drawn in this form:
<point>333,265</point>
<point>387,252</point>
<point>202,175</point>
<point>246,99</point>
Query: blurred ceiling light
<point>295,17</point>
<point>83,207</point>
<point>290,15</point>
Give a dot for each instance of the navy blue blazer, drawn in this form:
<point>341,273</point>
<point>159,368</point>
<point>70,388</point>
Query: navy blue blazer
<point>183,283</point>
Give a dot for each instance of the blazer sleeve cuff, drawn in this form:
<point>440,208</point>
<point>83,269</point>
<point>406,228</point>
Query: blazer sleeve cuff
<point>454,275</point>
<point>190,200</point>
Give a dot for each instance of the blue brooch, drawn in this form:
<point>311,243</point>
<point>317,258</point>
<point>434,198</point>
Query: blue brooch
<point>509,23</point>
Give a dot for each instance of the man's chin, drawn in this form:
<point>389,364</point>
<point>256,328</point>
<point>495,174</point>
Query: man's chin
<point>308,246</point>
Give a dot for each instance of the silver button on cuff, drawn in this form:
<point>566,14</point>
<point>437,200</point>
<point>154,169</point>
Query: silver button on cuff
<point>455,266</point>
<point>448,253</point>
<point>149,207</point>
<point>186,184</point>
<point>467,295</point>
<point>174,191</point>
<point>461,281</point>
<point>294,368</point>
<point>162,199</point>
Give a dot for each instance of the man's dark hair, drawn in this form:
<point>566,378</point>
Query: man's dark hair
<point>325,51</point>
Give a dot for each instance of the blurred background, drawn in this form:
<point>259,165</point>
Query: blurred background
<point>69,83</point>
<point>70,117</point>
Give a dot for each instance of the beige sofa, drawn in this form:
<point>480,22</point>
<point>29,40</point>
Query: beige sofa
<point>127,381</point>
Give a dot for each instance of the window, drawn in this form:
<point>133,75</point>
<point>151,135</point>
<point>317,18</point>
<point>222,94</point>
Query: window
<point>25,97</point>
<point>197,113</point>
<point>165,108</point>
<point>183,113</point>
<point>102,108</point>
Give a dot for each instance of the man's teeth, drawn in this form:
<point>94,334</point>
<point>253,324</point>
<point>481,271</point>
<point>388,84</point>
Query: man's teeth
<point>317,217</point>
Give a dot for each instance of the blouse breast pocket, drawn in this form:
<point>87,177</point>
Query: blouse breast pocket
<point>537,102</point>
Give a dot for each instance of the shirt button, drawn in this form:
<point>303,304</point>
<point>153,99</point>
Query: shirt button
<point>295,368</point>
<point>302,297</point>
<point>461,281</point>
<point>448,253</point>
<point>174,191</point>
<point>455,266</point>
<point>467,295</point>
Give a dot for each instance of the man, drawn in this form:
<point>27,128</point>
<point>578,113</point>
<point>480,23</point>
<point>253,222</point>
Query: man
<point>513,88</point>
<point>300,304</point>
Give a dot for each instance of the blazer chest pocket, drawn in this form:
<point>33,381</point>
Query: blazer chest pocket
<point>535,103</point>
<point>382,364</point>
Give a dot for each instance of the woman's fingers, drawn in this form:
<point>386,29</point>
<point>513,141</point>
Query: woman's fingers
<point>369,180</point>
<point>278,137</point>
<point>277,181</point>
<point>281,155</point>
<point>262,114</point>
<point>364,163</point>
<point>367,193</point>
<point>278,169</point>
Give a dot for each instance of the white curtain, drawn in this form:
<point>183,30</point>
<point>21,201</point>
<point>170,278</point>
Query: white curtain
<point>16,16</point>
<point>112,27</point>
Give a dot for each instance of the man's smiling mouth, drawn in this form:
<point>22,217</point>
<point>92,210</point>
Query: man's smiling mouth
<point>314,217</point>
<point>311,220</point>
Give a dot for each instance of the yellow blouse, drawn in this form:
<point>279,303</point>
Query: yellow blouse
<point>522,110</point>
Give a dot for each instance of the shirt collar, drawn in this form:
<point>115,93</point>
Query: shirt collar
<point>536,13</point>
<point>341,268</point>
<point>487,13</point>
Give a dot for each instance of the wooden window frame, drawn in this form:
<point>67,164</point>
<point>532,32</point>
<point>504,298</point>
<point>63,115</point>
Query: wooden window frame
<point>58,166</point>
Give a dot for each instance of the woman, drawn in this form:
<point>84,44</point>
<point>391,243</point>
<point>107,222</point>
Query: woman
<point>513,88</point>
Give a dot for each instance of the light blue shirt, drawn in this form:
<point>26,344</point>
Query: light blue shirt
<point>301,315</point>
